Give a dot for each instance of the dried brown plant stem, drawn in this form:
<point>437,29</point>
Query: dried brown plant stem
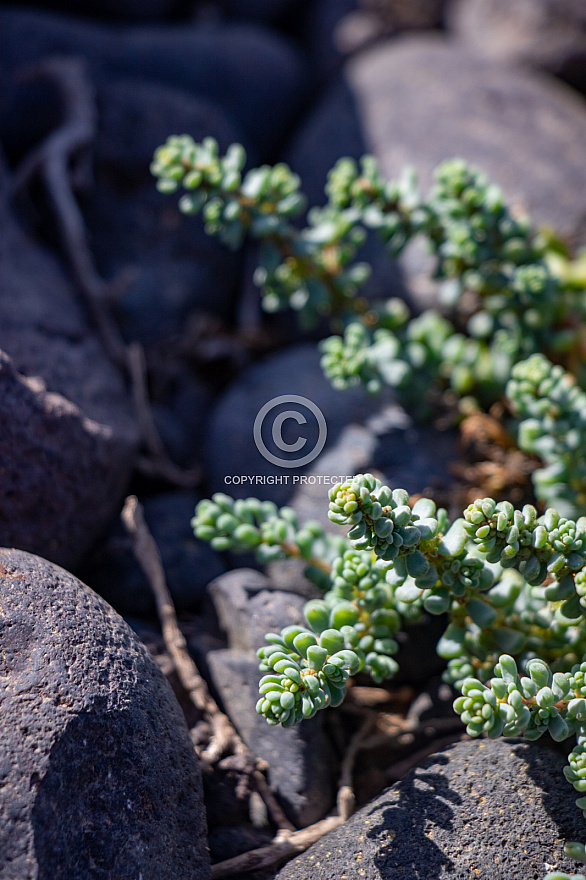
<point>156,463</point>
<point>285,845</point>
<point>346,801</point>
<point>52,160</point>
<point>224,737</point>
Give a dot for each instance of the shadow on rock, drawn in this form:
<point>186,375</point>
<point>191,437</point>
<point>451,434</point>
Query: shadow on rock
<point>422,798</point>
<point>93,818</point>
<point>545,762</point>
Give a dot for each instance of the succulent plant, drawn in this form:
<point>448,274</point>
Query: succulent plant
<point>508,330</point>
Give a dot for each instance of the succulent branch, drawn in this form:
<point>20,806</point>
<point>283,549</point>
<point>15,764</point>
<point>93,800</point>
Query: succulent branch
<point>511,582</point>
<point>503,299</point>
<point>552,408</point>
<point>247,525</point>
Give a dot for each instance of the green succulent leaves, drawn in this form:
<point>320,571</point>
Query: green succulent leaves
<point>549,545</point>
<point>552,409</point>
<point>511,704</point>
<point>247,525</point>
<point>481,248</point>
<point>400,559</point>
<point>511,582</point>
<point>505,306</point>
<point>305,673</point>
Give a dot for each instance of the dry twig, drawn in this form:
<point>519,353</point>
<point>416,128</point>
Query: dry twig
<point>224,736</point>
<point>157,463</point>
<point>285,845</point>
<point>52,160</point>
<point>346,801</point>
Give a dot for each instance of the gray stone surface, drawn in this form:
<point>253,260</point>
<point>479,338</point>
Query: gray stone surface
<point>540,33</point>
<point>289,575</point>
<point>351,454</point>
<point>67,432</point>
<point>494,809</point>
<point>231,449</point>
<point>302,767</point>
<point>411,456</point>
<point>172,266</point>
<point>99,777</point>
<point>300,758</point>
<point>248,608</point>
<point>374,20</point>
<point>254,75</point>
<point>425,99</point>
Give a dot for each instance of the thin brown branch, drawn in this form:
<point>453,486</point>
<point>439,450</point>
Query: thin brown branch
<point>283,847</point>
<point>138,375</point>
<point>277,815</point>
<point>346,801</point>
<point>224,736</point>
<point>286,845</point>
<point>52,159</point>
<point>294,551</point>
<point>156,463</point>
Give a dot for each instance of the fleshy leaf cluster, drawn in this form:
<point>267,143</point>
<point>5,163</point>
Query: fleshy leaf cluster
<point>503,300</point>
<point>552,409</point>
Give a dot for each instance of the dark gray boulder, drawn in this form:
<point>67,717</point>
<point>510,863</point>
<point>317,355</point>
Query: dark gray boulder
<point>99,777</point>
<point>67,431</point>
<point>499,809</point>
<point>414,456</point>
<point>226,843</point>
<point>426,99</point>
<point>135,116</point>
<point>116,10</point>
<point>180,403</point>
<point>321,31</point>
<point>171,265</point>
<point>113,571</point>
<point>265,11</point>
<point>234,463</point>
<point>301,761</point>
<point>538,33</point>
<point>255,76</point>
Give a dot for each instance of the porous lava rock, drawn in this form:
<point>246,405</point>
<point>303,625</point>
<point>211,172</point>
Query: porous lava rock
<point>98,776</point>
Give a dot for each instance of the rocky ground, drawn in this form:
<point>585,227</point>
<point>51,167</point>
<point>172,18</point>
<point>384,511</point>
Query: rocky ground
<point>134,358</point>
